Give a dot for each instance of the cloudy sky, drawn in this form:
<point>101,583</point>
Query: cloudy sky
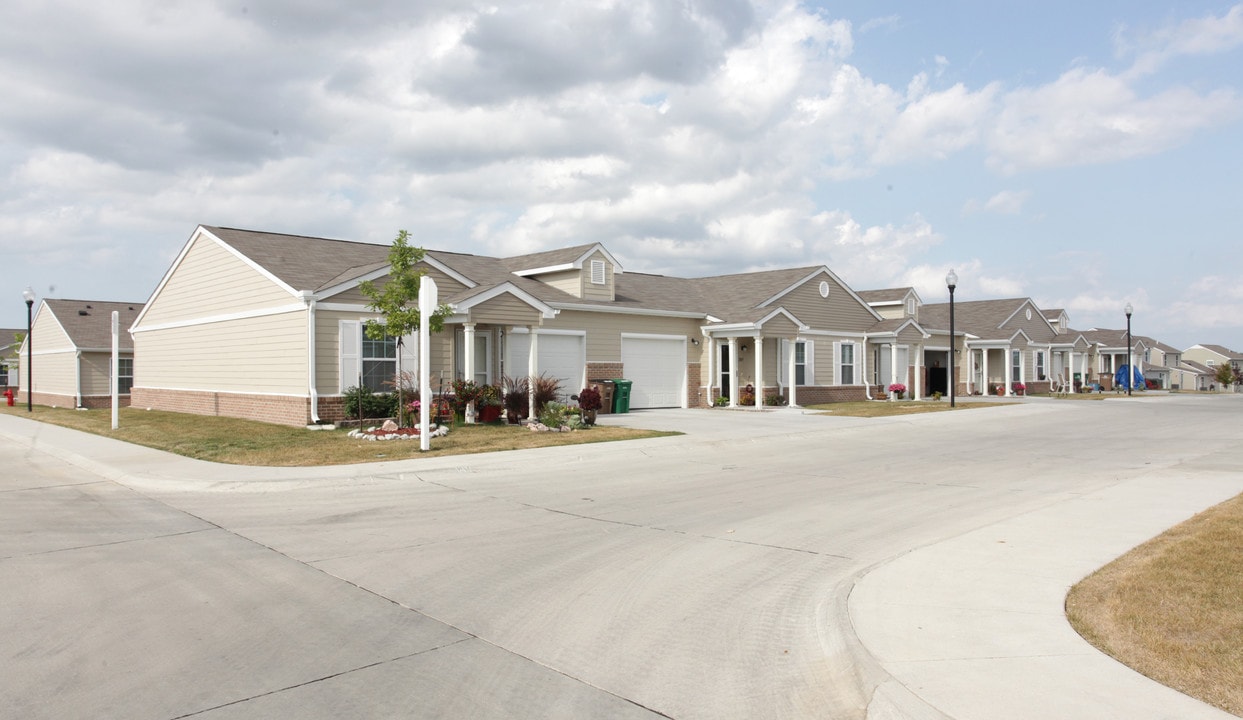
<point>1083,154</point>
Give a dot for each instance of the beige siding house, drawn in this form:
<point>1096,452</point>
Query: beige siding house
<point>72,359</point>
<point>270,326</point>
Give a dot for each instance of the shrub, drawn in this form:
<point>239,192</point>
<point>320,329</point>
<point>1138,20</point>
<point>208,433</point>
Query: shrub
<point>374,405</point>
<point>774,400</point>
<point>514,395</point>
<point>553,415</point>
<point>546,389</point>
<point>589,399</point>
<point>747,396</point>
<point>720,401</point>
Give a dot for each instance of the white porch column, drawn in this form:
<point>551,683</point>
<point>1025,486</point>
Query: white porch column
<point>759,371</point>
<point>733,372</point>
<point>709,380</point>
<point>1009,373</point>
<point>893,367</point>
<point>532,370</point>
<point>919,373</point>
<point>468,364</point>
<point>970,356</point>
<point>984,370</point>
<point>790,370</point>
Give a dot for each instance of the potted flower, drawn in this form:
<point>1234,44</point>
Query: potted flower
<point>489,403</point>
<point>898,390</point>
<point>589,401</point>
<point>1019,388</point>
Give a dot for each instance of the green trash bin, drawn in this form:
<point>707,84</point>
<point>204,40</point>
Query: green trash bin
<point>621,395</point>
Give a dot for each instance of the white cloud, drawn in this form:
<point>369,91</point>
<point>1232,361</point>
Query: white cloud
<point>1196,36</point>
<point>1006,202</point>
<point>1090,116</point>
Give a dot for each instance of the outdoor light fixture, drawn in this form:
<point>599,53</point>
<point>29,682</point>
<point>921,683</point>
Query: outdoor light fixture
<point>695,341</point>
<point>29,296</point>
<point>951,282</point>
<point>1130,372</point>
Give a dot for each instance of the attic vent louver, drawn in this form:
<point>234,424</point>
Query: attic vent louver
<point>597,272</point>
<point>83,313</point>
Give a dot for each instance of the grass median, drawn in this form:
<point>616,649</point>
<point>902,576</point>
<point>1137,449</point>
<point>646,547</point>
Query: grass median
<point>1172,608</point>
<point>247,442</point>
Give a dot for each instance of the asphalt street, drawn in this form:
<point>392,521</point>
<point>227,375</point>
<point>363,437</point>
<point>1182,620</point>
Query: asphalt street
<point>771,564</point>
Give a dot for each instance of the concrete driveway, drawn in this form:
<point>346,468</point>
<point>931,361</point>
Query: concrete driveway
<point>764,565</point>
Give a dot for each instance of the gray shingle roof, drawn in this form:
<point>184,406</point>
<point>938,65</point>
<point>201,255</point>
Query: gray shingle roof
<point>8,343</point>
<point>89,322</point>
<point>309,263</point>
<point>889,295</point>
<point>981,318</point>
<point>304,263</point>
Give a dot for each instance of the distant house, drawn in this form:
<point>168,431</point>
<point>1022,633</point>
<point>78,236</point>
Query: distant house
<point>1213,357</point>
<point>270,326</point>
<point>72,360</point>
<point>8,356</point>
<point>1008,343</point>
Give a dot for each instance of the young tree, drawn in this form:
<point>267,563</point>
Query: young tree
<point>397,301</point>
<point>1224,375</point>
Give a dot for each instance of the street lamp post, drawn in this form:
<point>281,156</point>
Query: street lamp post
<point>1130,371</point>
<point>951,282</point>
<point>29,296</point>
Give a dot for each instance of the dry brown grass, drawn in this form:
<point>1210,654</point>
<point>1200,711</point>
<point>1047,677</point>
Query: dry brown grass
<point>873,408</point>
<point>245,442</point>
<point>1172,608</point>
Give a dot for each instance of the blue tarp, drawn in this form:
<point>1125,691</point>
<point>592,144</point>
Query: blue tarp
<point>1120,378</point>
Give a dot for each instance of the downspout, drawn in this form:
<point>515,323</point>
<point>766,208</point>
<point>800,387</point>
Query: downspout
<point>77,378</point>
<point>867,384</point>
<point>309,298</point>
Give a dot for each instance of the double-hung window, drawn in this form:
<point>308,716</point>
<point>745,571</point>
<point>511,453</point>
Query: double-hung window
<point>1040,365</point>
<point>125,375</point>
<point>379,363</point>
<point>846,363</point>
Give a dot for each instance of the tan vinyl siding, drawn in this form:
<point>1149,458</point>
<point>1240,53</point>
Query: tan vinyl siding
<point>840,311</point>
<point>891,312</point>
<point>1036,328</point>
<point>604,331</point>
<point>266,354</point>
<point>780,327</point>
<point>48,334</point>
<point>210,281</point>
<point>96,373</point>
<point>569,281</point>
<point>592,291</point>
<point>327,349</point>
<point>505,310</point>
<point>55,373</point>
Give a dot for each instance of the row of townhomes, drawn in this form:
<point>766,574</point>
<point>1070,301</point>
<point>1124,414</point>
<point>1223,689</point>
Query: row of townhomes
<point>270,327</point>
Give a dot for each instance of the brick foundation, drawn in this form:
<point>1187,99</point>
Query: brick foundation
<point>278,409</point>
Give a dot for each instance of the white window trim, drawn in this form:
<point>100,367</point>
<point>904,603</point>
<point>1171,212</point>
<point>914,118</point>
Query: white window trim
<point>838,364</point>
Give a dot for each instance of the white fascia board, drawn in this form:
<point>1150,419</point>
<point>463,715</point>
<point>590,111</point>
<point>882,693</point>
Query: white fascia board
<point>628,311</point>
<point>1025,336</point>
<point>824,269</point>
<point>546,269</point>
<point>834,333</point>
<point>507,288</point>
<point>450,271</point>
<point>911,321</point>
<point>226,317</point>
<point>731,327</point>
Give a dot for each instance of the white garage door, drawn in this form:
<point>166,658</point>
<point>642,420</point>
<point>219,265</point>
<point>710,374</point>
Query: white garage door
<point>657,367</point>
<point>560,356</point>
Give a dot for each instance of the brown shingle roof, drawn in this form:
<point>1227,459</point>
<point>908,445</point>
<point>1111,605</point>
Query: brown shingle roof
<point>89,322</point>
<point>889,295</point>
<point>981,318</point>
<point>1223,351</point>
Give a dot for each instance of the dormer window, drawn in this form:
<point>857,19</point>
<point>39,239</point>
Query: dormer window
<point>597,272</point>
<point>910,307</point>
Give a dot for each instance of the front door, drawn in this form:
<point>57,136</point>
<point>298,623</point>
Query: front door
<point>725,370</point>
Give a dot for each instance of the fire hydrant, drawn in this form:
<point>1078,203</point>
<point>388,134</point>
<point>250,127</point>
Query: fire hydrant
<point>8,394</point>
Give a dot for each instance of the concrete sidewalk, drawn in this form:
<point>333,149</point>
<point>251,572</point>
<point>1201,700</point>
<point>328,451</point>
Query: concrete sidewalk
<point>974,627</point>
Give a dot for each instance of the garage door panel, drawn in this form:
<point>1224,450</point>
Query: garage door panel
<point>657,368</point>
<point>560,356</point>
